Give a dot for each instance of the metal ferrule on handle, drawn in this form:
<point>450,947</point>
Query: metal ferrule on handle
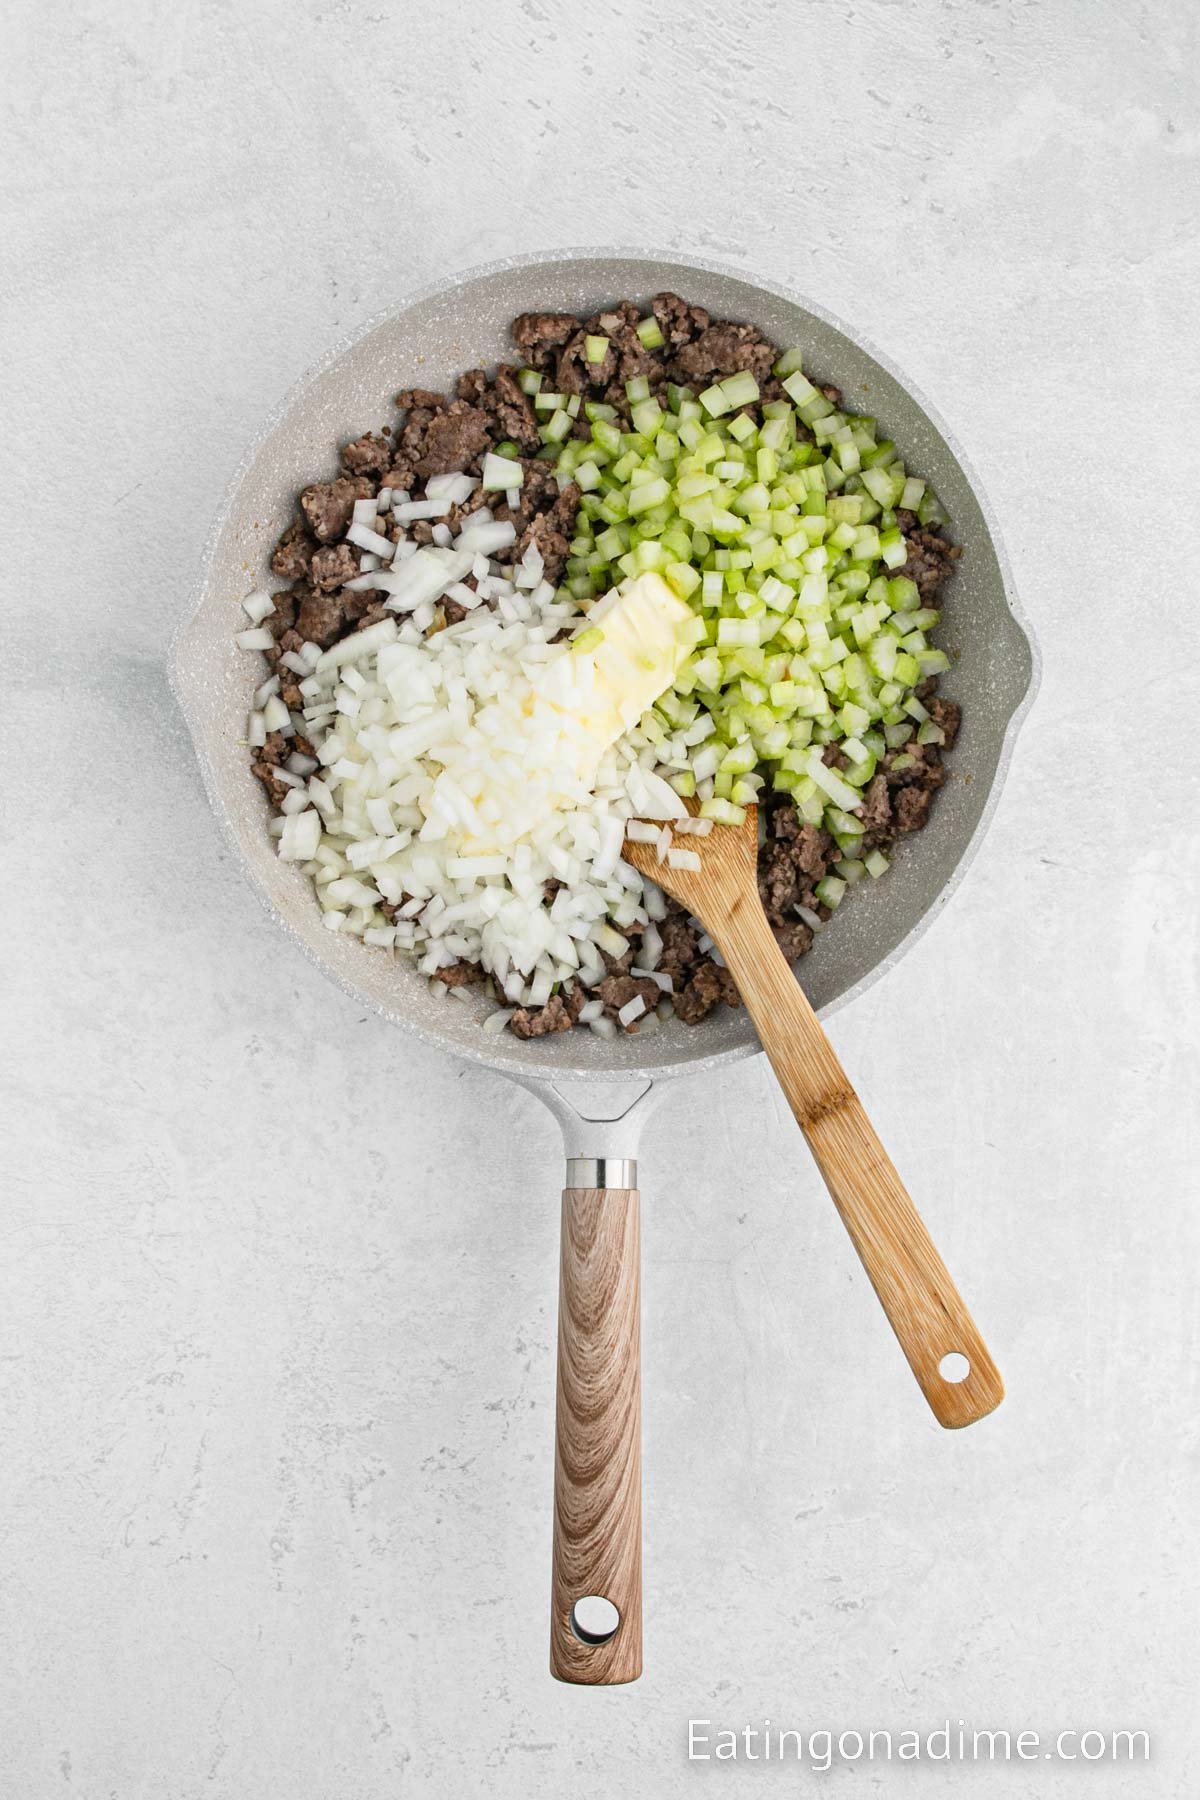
<point>601,1172</point>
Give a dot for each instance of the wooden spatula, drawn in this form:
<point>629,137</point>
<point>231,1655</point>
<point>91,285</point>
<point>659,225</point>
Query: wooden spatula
<point>926,1311</point>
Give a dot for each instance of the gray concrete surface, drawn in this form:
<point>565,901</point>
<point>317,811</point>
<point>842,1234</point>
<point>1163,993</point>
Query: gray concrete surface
<point>277,1289</point>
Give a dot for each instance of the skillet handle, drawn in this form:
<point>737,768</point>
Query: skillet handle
<point>598,1431</point>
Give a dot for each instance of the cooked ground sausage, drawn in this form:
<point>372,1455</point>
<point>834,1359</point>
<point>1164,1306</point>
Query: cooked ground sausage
<point>441,435</point>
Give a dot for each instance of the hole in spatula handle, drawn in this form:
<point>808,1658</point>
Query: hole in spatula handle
<point>594,1620</point>
<point>954,1367</point>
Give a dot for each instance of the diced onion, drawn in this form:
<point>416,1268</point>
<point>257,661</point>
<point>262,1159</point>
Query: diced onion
<point>257,606</point>
<point>501,472</point>
<point>366,539</point>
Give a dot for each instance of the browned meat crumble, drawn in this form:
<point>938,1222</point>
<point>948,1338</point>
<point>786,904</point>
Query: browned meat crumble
<point>440,433</point>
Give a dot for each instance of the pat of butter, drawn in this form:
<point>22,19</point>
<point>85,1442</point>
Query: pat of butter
<point>593,691</point>
<point>603,687</point>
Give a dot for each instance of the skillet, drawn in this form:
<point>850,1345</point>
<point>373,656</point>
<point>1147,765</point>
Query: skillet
<point>600,1091</point>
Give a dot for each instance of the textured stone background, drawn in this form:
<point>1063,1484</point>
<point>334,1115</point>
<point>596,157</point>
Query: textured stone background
<point>275,1331</point>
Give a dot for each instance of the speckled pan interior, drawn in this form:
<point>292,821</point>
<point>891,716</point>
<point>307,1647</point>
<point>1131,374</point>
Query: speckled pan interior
<point>426,342</point>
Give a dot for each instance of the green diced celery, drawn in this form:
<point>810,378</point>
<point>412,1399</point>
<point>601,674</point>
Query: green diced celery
<point>558,429</point>
<point>847,455</point>
<point>881,486</point>
<point>893,549</point>
<point>723,811</point>
<point>829,891</point>
<point>607,436</point>
<point>683,578</point>
<point>715,401</point>
<point>647,417</point>
<point>649,555</point>
<point>802,391</point>
<point>740,389</point>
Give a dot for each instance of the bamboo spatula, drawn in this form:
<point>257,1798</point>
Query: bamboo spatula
<point>924,1307</point>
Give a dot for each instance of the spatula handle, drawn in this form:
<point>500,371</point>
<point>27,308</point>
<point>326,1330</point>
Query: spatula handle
<point>598,1438</point>
<point>926,1310</point>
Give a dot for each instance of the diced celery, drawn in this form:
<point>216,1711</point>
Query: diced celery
<point>740,389</point>
<point>803,392</point>
<point>558,428</point>
<point>847,454</point>
<point>647,417</point>
<point>803,634</point>
<point>715,401</point>
<point>683,578</point>
<point>595,349</point>
<point>893,549</point>
<point>723,811</point>
<point>881,486</point>
<point>648,556</point>
<point>649,494</point>
<point>607,437</point>
<point>731,632</point>
<point>650,332</point>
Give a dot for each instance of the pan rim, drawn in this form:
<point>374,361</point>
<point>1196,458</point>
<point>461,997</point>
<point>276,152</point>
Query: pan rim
<point>530,1066</point>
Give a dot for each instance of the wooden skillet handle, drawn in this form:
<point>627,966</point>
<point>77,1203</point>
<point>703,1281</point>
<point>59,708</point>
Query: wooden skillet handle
<point>926,1310</point>
<point>598,1437</point>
